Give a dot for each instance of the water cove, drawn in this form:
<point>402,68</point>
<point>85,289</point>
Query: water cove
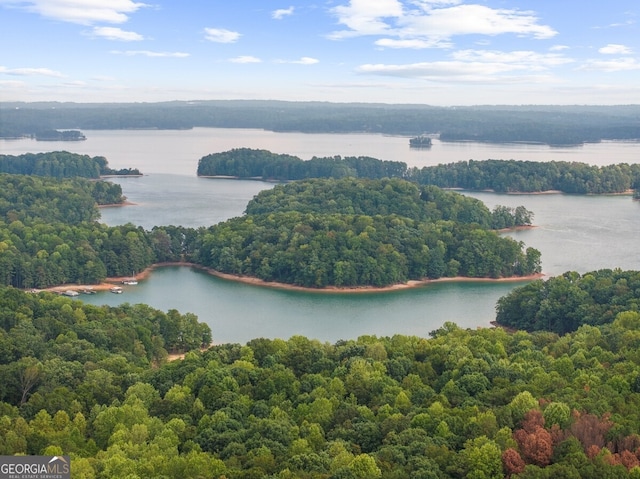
<point>573,233</point>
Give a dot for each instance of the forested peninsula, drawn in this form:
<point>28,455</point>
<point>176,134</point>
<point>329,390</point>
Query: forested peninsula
<point>358,232</point>
<point>502,176</point>
<point>61,164</point>
<point>564,303</point>
<point>547,124</point>
<point>49,235</point>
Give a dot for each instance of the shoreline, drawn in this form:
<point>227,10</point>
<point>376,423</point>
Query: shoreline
<point>109,283</point>
<point>515,228</point>
<point>368,289</point>
<point>115,205</point>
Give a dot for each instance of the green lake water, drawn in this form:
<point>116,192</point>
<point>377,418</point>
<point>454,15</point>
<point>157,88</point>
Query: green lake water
<point>578,233</point>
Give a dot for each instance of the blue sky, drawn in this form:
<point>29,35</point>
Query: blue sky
<point>437,52</point>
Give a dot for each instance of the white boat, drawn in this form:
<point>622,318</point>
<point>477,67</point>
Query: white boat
<point>116,290</point>
<point>71,293</point>
<point>131,281</point>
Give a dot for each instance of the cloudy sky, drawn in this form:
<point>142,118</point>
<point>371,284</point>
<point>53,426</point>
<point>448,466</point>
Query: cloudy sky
<point>438,52</point>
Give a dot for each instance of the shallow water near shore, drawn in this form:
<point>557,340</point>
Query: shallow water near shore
<point>238,312</point>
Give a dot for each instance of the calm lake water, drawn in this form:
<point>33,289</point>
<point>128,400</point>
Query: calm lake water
<point>573,232</point>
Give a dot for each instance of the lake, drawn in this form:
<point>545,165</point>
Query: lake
<point>580,233</point>
<point>178,151</point>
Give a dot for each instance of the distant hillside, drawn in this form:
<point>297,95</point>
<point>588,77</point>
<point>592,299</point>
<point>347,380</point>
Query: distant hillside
<point>554,125</point>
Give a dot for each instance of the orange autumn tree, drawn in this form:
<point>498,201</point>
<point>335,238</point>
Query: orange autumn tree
<point>534,441</point>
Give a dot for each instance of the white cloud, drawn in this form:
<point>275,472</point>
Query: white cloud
<point>366,17</point>
<point>220,35</point>
<point>114,33</point>
<point>477,19</point>
<point>449,69</point>
<point>302,61</point>
<point>529,59</point>
<point>458,72</point>
<point>11,84</point>
<point>429,4</point>
<point>614,65</point>
<point>476,66</point>
<point>103,78</point>
<point>281,13</point>
<point>245,59</point>
<point>615,49</point>
<point>415,43</point>
<point>77,84</point>
<point>147,53</point>
<point>84,12</point>
<point>558,48</point>
<point>31,72</point>
<point>433,22</point>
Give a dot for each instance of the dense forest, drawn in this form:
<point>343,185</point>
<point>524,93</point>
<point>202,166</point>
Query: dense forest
<point>60,164</point>
<point>558,398</point>
<point>530,176</point>
<point>555,125</point>
<point>32,198</point>
<point>319,250</point>
<point>263,164</point>
<point>93,383</point>
<point>49,235</point>
<point>564,303</point>
<point>389,196</point>
<point>358,232</point>
<point>497,175</point>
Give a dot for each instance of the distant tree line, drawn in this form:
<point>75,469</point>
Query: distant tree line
<point>557,125</point>
<point>497,175</point>
<point>564,303</point>
<point>60,164</point>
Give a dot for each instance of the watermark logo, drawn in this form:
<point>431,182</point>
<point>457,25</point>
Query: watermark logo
<point>35,467</point>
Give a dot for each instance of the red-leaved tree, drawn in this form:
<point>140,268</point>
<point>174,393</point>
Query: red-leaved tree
<point>534,441</point>
<point>512,462</point>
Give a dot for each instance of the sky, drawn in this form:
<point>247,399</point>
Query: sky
<point>433,52</point>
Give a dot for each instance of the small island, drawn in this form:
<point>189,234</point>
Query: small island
<point>60,135</point>
<point>421,141</point>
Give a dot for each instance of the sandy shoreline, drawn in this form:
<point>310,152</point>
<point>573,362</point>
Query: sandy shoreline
<point>119,281</point>
<point>113,205</point>
<point>369,289</point>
